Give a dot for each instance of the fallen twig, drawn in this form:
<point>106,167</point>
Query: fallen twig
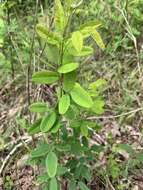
<point>114,116</point>
<point>12,152</point>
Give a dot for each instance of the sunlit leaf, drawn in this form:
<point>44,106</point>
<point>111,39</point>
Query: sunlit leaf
<point>68,67</point>
<point>84,130</point>
<point>77,41</point>
<point>81,97</point>
<point>59,18</point>
<point>98,106</point>
<point>97,38</point>
<point>64,103</point>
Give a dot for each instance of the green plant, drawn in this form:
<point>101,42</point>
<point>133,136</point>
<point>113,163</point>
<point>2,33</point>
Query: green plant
<point>65,150</point>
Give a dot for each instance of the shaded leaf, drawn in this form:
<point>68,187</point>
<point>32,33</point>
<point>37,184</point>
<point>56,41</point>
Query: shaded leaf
<point>51,164</point>
<point>53,184</point>
<point>56,127</point>
<point>72,185</point>
<point>48,36</point>
<point>69,81</point>
<point>82,186</point>
<point>38,107</point>
<point>48,122</point>
<point>35,127</point>
<point>42,178</point>
<point>41,150</point>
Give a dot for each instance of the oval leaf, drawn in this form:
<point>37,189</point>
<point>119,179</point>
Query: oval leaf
<point>60,19</point>
<point>41,150</point>
<point>53,184</point>
<point>84,130</point>
<point>51,164</point>
<point>48,122</point>
<point>38,107</point>
<point>64,104</point>
<point>45,77</point>
<point>47,35</point>
<point>81,97</point>
<point>69,81</point>
<point>77,40</point>
<point>56,127</point>
<point>68,67</point>
<point>35,127</point>
<point>97,38</point>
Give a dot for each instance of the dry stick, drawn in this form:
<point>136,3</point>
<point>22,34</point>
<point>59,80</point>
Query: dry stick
<point>133,38</point>
<point>12,152</point>
<point>30,63</point>
<point>6,160</point>
<point>17,54</point>
<point>114,116</point>
<point>12,65</point>
<point>31,54</point>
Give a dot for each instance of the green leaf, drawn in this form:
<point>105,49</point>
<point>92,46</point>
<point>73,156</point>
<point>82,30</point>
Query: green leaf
<point>68,67</point>
<point>63,147</point>
<point>97,38</point>
<point>56,127</point>
<point>61,170</point>
<point>81,97</point>
<point>97,107</point>
<point>59,18</point>
<point>48,36</point>
<point>100,83</point>
<point>42,178</point>
<point>45,77</point>
<point>139,156</point>
<point>51,164</point>
<point>88,27</point>
<point>52,53</point>
<point>86,50</point>
<point>69,80</point>
<point>77,40</point>
<point>84,130</point>
<point>126,147</point>
<point>35,127</point>
<point>53,184</point>
<point>64,104</point>
<point>48,122</point>
<point>72,185</point>
<point>38,107</point>
<point>41,150</point>
<point>82,186</point>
